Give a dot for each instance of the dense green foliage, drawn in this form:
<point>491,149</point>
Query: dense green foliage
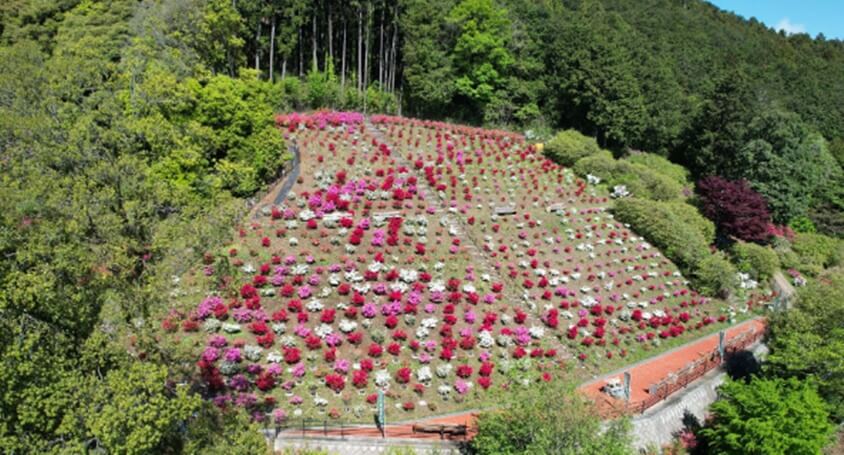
<point>808,341</point>
<point>640,180</point>
<point>547,417</point>
<point>680,232</point>
<point>766,416</point>
<point>566,147</point>
<point>134,413</point>
<point>816,251</point>
<point>682,243</point>
<point>715,275</point>
<point>130,132</point>
<point>760,261</point>
<point>662,166</point>
<point>689,215</point>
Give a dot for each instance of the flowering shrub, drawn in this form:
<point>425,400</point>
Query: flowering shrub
<point>442,261</point>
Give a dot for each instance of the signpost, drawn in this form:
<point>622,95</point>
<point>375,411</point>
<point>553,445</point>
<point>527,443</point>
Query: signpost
<point>627,385</point>
<point>382,415</point>
<point>721,344</point>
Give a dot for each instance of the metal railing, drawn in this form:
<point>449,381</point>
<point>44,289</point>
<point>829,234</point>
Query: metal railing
<point>613,408</point>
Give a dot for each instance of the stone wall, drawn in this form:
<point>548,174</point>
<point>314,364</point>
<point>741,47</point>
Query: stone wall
<point>659,423</point>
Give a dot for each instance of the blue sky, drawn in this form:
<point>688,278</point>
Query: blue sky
<point>793,16</point>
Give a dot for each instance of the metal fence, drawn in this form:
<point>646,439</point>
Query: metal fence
<point>305,427</point>
<point>613,408</point>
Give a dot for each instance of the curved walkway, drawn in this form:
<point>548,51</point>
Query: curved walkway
<point>657,369</point>
<point>281,187</point>
<point>644,373</point>
<point>291,177</point>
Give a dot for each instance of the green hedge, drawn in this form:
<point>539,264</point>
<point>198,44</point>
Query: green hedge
<point>659,187</point>
<point>760,261</point>
<point>684,237</point>
<point>681,242</point>
<point>715,275</point>
<point>641,180</point>
<point>690,215</point>
<point>601,164</point>
<point>568,146</point>
<point>816,252</point>
<point>662,166</point>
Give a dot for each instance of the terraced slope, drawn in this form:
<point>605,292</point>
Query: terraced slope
<point>434,261</point>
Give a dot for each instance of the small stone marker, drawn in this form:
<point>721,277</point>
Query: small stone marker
<point>505,210</point>
<point>557,207</point>
<point>386,215</point>
<point>336,216</point>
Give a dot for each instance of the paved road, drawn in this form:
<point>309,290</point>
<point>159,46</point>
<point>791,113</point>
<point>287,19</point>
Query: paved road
<point>280,188</point>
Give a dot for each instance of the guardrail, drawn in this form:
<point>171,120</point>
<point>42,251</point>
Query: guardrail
<point>613,408</point>
<point>314,427</point>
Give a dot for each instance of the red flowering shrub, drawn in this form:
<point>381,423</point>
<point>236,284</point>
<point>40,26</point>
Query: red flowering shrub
<point>335,382</point>
<point>292,355</point>
<point>375,350</point>
<point>485,382</point>
<point>189,325</point>
<point>313,342</point>
<point>360,378</point>
<point>464,371</point>
<point>265,382</point>
<point>403,375</point>
<point>266,340</point>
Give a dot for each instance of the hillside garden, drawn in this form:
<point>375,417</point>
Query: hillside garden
<point>436,262</point>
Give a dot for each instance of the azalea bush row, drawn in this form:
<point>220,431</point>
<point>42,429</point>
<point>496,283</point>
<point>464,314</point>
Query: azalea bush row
<point>390,265</point>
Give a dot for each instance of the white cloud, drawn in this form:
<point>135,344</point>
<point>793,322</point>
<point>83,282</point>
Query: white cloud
<point>785,25</point>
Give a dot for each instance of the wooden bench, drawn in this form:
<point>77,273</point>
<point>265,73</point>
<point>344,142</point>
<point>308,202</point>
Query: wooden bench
<point>442,430</point>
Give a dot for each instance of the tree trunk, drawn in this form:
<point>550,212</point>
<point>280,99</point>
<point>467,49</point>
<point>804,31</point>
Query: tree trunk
<point>272,48</point>
<point>393,57</point>
<point>258,49</point>
<point>301,51</point>
<point>343,60</point>
<point>284,67</point>
<point>366,58</point>
<point>360,47</point>
<point>316,67</point>
<point>330,35</point>
<point>381,50</point>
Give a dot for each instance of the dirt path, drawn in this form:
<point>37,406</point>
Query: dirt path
<point>282,186</point>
